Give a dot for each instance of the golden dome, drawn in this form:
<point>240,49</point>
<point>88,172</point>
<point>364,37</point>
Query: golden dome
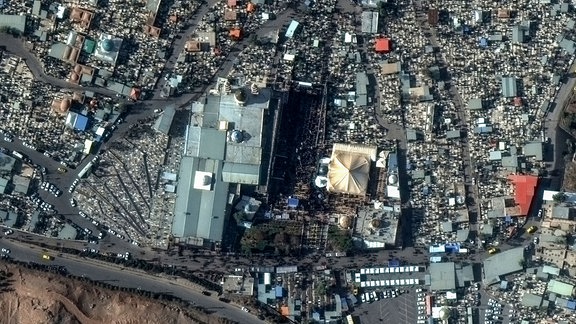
<point>345,222</point>
<point>65,104</point>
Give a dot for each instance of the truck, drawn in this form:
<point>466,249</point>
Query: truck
<point>47,257</point>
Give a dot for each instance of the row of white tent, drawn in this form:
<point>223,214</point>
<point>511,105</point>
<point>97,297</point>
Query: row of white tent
<point>390,270</point>
<point>389,283</point>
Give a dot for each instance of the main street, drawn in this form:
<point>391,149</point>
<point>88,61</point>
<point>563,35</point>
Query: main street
<point>126,277</point>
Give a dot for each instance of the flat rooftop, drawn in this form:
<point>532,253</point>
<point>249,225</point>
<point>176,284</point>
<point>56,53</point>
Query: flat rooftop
<point>503,263</point>
<point>200,208</point>
<point>378,227</point>
<point>442,276</point>
<point>249,119</point>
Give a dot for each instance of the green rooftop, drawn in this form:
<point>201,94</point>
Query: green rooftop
<point>89,46</point>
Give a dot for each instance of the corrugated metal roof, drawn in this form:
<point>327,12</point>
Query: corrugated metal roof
<point>453,134</point>
<point>475,104</point>
<point>561,212</point>
<point>560,288</point>
<point>568,45</point>
<point>510,161</point>
<point>199,213</point>
<point>531,300</point>
<point>495,155</point>
<point>442,276</point>
<point>509,87</point>
<point>534,149</point>
<point>517,34</point>
<point>3,184</point>
<point>164,122</point>
<point>503,263</point>
<point>57,50</point>
<point>208,143</point>
<point>241,173</point>
<point>292,29</point>
<point>36,8</point>
<point>370,22</point>
<point>525,189</point>
<point>361,83</point>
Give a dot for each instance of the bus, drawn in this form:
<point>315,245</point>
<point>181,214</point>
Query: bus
<point>429,302</point>
<point>85,170</point>
<point>17,154</point>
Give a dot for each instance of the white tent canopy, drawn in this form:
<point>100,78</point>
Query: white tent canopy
<point>349,168</point>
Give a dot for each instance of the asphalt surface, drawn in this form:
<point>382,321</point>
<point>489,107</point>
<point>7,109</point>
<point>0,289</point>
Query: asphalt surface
<point>126,277</point>
<point>401,309</point>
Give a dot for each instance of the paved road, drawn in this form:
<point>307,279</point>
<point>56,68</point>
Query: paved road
<point>62,181</point>
<point>556,134</point>
<point>125,277</point>
<point>180,41</point>
<point>16,47</point>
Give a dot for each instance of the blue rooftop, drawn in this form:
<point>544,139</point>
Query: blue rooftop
<point>279,291</point>
<point>452,247</point>
<point>483,42</point>
<point>81,122</point>
<point>293,202</point>
<point>394,263</point>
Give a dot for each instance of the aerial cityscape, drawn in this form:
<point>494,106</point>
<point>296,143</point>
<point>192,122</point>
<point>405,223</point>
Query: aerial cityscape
<point>262,161</point>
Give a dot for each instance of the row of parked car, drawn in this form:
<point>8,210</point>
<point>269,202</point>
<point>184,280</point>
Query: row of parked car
<point>379,294</point>
<point>421,304</point>
<point>51,188</point>
<point>493,314</point>
<point>73,185</point>
<point>36,200</point>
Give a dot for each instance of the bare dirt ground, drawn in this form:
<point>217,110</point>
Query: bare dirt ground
<point>35,297</point>
<point>570,177</point>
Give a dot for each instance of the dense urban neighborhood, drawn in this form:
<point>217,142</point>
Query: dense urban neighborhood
<point>262,161</point>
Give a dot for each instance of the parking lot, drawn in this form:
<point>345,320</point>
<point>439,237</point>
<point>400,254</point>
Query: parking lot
<point>401,309</point>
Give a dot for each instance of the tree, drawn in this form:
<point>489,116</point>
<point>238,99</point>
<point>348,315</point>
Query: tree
<point>280,239</point>
<point>560,197</point>
<point>321,288</point>
<point>522,263</point>
<point>340,240</point>
<point>240,216</point>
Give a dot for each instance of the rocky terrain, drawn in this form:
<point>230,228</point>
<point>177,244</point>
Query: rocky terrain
<point>31,296</point>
